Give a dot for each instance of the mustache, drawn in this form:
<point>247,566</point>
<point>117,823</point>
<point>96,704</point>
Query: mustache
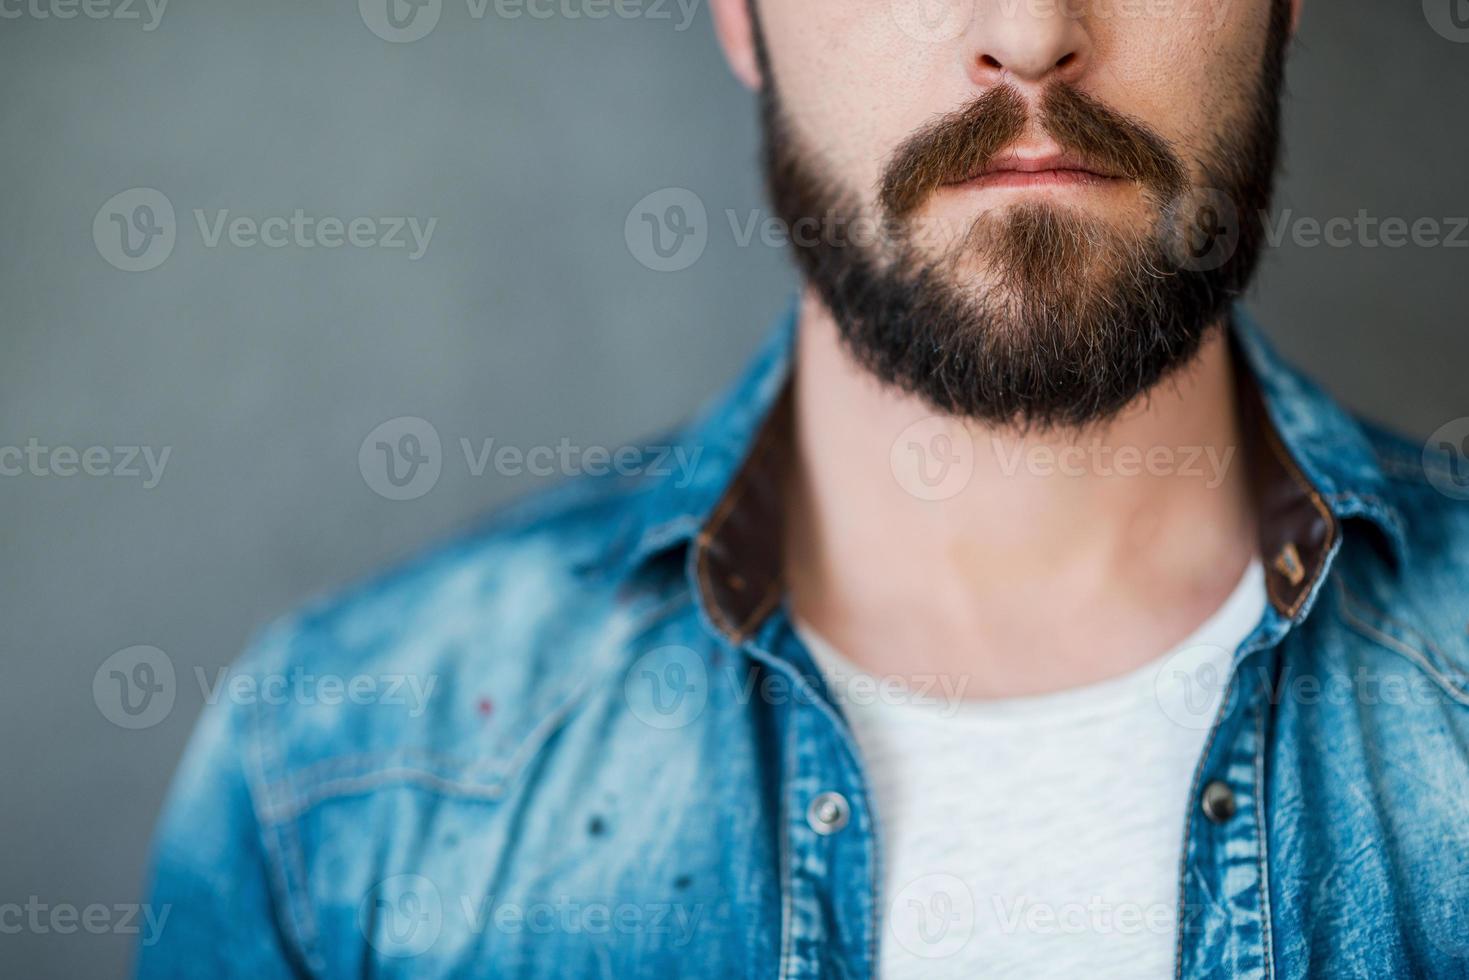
<point>965,142</point>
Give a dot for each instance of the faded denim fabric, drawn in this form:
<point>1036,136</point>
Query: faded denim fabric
<point>615,770</point>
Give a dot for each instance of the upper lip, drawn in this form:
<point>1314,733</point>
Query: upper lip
<point>1035,162</point>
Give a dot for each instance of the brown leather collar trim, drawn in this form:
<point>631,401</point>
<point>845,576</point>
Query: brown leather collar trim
<point>1296,527</point>
<point>738,557</point>
<point>738,552</point>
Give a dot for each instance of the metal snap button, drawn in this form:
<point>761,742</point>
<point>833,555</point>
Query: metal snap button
<point>828,813</point>
<point>1218,801</point>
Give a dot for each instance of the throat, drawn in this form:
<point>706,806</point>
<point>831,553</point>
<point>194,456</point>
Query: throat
<point>917,542</point>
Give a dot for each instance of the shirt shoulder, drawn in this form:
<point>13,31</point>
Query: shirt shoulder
<point>1428,486</point>
<point>452,669</point>
<point>1418,604</point>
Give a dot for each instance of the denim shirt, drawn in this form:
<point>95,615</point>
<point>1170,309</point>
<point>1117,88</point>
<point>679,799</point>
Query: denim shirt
<point>627,765</point>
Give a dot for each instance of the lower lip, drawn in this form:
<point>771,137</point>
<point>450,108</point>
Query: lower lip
<point>1039,178</point>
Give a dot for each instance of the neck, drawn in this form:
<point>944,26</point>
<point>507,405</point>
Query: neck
<point>946,533</point>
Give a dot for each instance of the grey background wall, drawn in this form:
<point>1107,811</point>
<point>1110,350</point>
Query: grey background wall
<point>528,320</point>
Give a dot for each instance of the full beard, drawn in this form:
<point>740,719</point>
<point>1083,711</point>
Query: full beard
<point>1079,317</point>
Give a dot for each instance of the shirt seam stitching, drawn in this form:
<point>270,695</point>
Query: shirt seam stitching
<point>1353,610</point>
<point>1262,852</point>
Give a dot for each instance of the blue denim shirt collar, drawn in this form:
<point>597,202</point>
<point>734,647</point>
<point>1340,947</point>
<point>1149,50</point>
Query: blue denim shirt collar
<point>725,432</point>
<point>1325,452</point>
<point>1328,444</point>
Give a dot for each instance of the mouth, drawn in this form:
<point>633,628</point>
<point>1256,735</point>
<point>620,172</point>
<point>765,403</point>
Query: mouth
<point>1019,169</point>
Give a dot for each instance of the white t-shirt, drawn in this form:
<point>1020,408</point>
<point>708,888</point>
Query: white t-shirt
<point>1039,836</point>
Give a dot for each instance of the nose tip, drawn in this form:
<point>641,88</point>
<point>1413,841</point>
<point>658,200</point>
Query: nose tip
<point>1030,69</point>
<point>1027,44</point>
